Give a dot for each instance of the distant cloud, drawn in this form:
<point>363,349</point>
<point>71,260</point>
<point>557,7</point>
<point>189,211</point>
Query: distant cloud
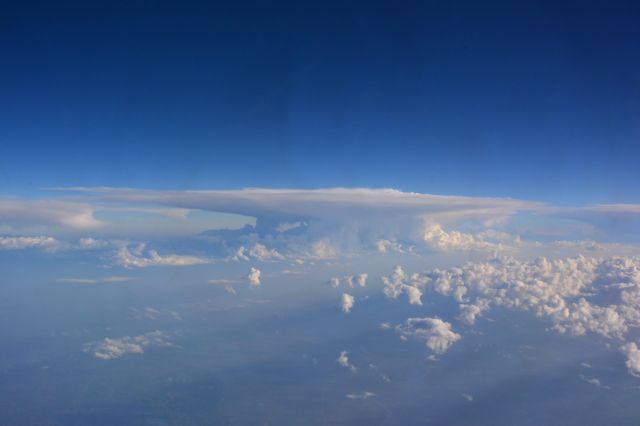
<point>111,279</point>
<point>258,252</point>
<point>347,302</point>
<point>437,334</point>
<point>127,258</point>
<point>109,348</point>
<point>363,395</point>
<point>349,280</point>
<point>92,243</point>
<point>343,361</point>
<point>20,243</point>
<point>19,214</point>
<point>330,219</point>
<point>286,226</point>
<point>254,277</point>
<point>77,280</point>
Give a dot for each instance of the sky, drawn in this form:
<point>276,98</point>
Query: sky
<point>534,100</point>
<point>319,213</point>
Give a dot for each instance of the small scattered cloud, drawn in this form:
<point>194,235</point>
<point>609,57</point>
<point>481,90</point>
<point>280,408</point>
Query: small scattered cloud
<point>349,281</point>
<point>287,226</point>
<point>109,349</point>
<point>363,395</point>
<point>437,334</point>
<point>347,302</point>
<point>22,243</point>
<point>254,277</point>
<point>343,361</point>
<point>399,282</point>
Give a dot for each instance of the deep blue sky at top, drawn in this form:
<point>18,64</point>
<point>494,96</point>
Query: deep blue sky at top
<point>539,101</point>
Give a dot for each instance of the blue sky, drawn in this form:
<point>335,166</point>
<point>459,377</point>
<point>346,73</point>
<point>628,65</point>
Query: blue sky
<point>319,213</point>
<point>531,101</point>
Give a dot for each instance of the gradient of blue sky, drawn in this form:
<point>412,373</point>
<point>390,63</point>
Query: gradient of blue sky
<point>531,101</point>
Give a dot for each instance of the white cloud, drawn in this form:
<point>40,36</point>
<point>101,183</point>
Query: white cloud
<point>117,279</point>
<point>437,334</point>
<point>328,203</point>
<point>332,219</point>
<point>77,280</point>
<point>92,243</point>
<point>578,294</point>
<point>226,283</point>
<point>398,283</point>
<point>20,214</point>
<point>258,252</point>
<point>254,277</point>
<point>633,357</point>
<point>591,380</point>
<point>20,243</point>
<point>361,279</point>
<point>262,253</point>
<point>491,240</point>
<point>347,302</point>
<point>386,246</point>
<point>135,258</point>
<point>111,279</point>
<point>349,281</point>
<point>343,360</point>
<point>286,226</point>
<point>322,249</point>
<point>363,395</point>
<point>109,348</point>
<point>468,397</point>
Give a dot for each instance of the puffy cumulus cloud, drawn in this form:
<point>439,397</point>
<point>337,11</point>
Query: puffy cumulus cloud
<point>437,334</point>
<point>438,239</point>
<point>633,357</point>
<point>347,302</point>
<point>578,294</point>
<point>258,252</point>
<point>254,277</point>
<point>109,348</point>
<point>399,282</point>
<point>349,280</point>
<point>20,243</point>
<point>470,311</point>
<point>387,246</point>
<point>19,214</point>
<point>343,361</point>
<point>136,258</point>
